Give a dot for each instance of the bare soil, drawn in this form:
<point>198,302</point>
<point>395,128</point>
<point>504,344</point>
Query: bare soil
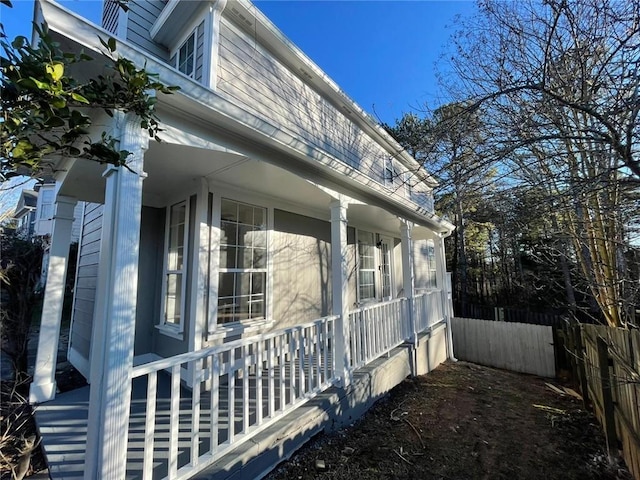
<point>463,421</point>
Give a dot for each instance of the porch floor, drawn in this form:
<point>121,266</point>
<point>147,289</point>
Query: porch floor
<point>62,424</point>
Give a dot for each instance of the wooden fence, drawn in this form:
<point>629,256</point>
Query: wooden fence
<point>606,362</point>
<point>513,346</point>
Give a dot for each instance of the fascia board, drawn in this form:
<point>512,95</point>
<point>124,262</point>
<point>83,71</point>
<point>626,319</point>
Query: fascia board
<point>214,109</point>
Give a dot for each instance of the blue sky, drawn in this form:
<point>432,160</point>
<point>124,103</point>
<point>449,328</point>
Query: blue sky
<point>381,53</point>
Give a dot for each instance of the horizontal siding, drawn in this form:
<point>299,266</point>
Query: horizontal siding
<point>199,52</point>
<point>423,274</point>
<point>255,78</point>
<point>142,15</point>
<point>86,281</point>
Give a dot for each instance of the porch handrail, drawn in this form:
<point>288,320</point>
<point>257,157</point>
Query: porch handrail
<point>377,329</point>
<point>167,363</point>
<point>429,309</point>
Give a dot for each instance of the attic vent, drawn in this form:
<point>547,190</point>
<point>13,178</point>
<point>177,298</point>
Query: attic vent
<point>305,73</point>
<point>241,17</point>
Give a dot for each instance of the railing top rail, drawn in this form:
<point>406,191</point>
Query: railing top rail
<point>169,362</point>
<point>422,293</point>
<point>379,304</point>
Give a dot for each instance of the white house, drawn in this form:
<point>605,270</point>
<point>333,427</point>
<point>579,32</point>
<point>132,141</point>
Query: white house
<point>273,245</point>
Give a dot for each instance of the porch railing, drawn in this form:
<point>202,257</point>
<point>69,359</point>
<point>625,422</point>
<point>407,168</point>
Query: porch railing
<point>377,329</point>
<point>428,309</point>
<point>237,389</point>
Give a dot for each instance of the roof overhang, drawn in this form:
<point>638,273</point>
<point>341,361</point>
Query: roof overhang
<point>211,109</point>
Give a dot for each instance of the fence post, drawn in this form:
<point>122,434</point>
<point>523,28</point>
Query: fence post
<point>607,397</point>
<point>580,363</point>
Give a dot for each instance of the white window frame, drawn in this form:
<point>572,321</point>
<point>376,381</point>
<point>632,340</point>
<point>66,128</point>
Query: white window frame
<point>241,325</point>
<point>390,173</point>
<point>359,233</point>
<point>192,36</point>
<point>173,329</point>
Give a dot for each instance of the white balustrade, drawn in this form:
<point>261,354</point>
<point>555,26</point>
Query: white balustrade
<point>236,390</point>
<point>376,329</point>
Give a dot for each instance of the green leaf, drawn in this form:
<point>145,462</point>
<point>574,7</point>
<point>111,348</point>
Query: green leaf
<point>79,98</point>
<point>55,71</point>
<point>112,44</point>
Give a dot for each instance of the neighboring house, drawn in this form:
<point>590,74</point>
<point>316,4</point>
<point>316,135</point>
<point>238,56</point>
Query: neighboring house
<point>25,213</point>
<point>277,241</point>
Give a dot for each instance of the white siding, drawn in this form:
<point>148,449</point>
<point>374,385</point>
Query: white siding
<point>252,76</point>
<point>85,289</point>
<point>141,16</point>
<point>422,273</point>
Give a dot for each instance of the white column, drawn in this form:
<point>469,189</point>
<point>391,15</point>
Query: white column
<point>441,277</point>
<point>43,387</point>
<point>408,278</point>
<point>339,289</point>
<point>115,311</point>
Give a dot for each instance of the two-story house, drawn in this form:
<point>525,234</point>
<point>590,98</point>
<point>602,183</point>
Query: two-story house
<point>274,244</point>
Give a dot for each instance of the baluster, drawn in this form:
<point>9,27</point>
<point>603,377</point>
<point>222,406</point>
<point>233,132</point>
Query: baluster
<point>195,411</point>
<point>245,388</point>
<point>259,382</point>
<point>215,400</point>
<point>271,377</point>
<point>174,425</point>
<point>149,426</point>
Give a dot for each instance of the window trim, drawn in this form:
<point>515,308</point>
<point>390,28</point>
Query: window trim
<point>172,329</point>
<point>217,330</point>
<point>359,298</point>
<point>193,34</point>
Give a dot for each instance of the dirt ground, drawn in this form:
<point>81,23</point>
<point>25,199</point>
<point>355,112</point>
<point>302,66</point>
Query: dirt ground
<point>463,421</point>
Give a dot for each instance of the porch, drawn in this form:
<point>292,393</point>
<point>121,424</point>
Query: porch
<point>277,389</point>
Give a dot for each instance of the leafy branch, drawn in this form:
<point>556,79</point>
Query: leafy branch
<point>45,109</point>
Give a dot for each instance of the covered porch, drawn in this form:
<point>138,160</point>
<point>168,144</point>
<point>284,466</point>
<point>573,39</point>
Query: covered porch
<point>221,383</point>
<point>271,390</point>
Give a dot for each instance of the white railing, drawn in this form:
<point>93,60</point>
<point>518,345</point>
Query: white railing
<point>377,329</point>
<point>237,389</point>
<point>428,309</point>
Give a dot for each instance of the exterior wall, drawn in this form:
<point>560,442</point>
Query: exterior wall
<point>301,269</point>
<point>424,275</point>
<point>85,289</point>
<point>254,77</point>
<point>165,345</point>
<point>149,278</point>
<point>141,15</point>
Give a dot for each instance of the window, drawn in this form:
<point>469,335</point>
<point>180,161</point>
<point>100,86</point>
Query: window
<point>366,266</point>
<point>176,256</point>
<point>46,205</point>
<point>431,259</point>
<point>243,262</point>
<point>390,173</point>
<point>187,56</point>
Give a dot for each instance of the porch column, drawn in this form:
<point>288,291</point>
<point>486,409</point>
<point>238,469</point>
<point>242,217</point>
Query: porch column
<point>441,277</point>
<point>43,387</point>
<point>339,289</point>
<point>115,311</point>
<point>408,278</point>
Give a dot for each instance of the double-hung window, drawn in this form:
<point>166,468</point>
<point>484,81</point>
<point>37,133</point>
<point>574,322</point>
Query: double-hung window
<point>187,56</point>
<point>390,173</point>
<point>175,261</point>
<point>243,262</point>
<point>366,266</point>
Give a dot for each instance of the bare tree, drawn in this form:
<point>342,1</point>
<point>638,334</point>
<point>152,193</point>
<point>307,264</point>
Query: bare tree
<point>557,86</point>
